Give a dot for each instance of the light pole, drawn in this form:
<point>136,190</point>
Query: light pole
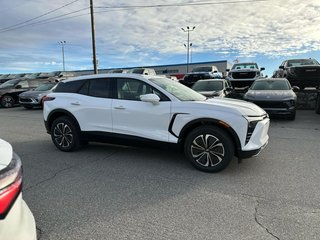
<point>62,43</point>
<point>190,51</point>
<point>188,30</point>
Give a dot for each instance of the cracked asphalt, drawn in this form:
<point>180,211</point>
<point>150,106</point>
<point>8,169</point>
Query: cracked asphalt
<point>111,192</point>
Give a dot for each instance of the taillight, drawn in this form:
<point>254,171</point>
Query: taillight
<point>10,185</point>
<point>46,98</point>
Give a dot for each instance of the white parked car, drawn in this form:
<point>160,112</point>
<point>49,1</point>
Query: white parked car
<point>128,108</point>
<point>16,219</point>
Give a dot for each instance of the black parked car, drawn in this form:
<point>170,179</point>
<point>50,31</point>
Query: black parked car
<point>274,95</point>
<point>10,90</point>
<point>300,72</point>
<point>190,78</point>
<point>213,87</point>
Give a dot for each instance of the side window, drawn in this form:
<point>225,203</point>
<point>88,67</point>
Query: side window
<point>23,84</point>
<point>34,83</point>
<point>131,89</point>
<point>99,88</point>
<point>71,86</point>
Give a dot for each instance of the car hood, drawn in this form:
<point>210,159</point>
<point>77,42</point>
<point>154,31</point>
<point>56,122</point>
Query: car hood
<point>273,95</point>
<point>31,93</point>
<point>235,105</point>
<point>5,154</point>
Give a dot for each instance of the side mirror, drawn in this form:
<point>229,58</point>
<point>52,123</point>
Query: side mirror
<point>18,86</point>
<point>295,88</point>
<point>281,67</point>
<point>229,89</point>
<point>151,97</point>
<point>261,69</point>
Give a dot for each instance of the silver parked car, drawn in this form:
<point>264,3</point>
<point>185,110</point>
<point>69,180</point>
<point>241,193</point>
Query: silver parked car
<point>34,97</point>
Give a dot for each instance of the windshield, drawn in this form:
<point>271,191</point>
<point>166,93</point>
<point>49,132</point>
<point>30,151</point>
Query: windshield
<point>10,83</point>
<point>45,87</point>
<point>245,66</point>
<point>301,62</point>
<point>270,85</point>
<point>178,90</point>
<point>202,86</point>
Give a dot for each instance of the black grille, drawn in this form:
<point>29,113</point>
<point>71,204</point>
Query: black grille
<point>271,104</point>
<point>306,72</point>
<point>244,75</point>
<point>25,100</point>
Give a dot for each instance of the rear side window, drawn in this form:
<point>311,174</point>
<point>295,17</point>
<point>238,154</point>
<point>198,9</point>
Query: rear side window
<point>97,88</point>
<point>71,87</point>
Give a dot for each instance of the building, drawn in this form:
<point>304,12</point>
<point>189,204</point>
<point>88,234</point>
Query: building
<point>173,69</point>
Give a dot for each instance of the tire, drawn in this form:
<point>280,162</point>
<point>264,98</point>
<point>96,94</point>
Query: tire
<point>7,101</point>
<point>209,148</point>
<point>292,116</point>
<point>65,134</point>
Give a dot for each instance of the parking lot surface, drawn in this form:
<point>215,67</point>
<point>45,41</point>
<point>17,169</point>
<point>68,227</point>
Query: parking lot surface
<point>111,192</point>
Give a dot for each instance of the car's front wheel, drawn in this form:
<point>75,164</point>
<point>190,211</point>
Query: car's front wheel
<point>65,134</point>
<point>209,148</point>
<point>7,101</point>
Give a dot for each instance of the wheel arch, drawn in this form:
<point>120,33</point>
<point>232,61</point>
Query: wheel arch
<point>60,113</point>
<point>210,122</point>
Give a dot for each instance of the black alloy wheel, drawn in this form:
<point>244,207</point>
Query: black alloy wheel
<point>7,101</point>
<point>65,134</point>
<point>209,148</point>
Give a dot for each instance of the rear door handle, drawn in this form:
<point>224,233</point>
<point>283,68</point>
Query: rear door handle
<point>75,103</point>
<point>120,107</point>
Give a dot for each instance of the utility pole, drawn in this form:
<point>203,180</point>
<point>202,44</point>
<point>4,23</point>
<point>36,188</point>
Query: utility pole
<point>188,30</point>
<point>62,43</point>
<point>93,39</point>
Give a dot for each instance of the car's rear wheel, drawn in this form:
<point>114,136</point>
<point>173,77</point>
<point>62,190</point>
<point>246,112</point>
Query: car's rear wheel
<point>65,134</point>
<point>209,148</point>
<point>7,101</point>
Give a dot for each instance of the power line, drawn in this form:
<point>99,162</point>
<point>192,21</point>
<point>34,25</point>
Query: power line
<point>112,9</point>
<point>48,20</point>
<point>34,18</point>
<point>181,4</point>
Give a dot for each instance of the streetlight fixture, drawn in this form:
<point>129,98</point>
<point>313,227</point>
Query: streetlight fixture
<point>188,30</point>
<point>62,43</point>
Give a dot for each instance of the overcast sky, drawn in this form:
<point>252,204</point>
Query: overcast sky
<point>139,34</point>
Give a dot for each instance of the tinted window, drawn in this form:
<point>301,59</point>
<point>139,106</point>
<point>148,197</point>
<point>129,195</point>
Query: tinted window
<point>71,87</point>
<point>100,88</point>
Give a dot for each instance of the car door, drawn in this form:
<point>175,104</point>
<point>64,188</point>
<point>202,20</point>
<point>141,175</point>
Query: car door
<point>92,105</point>
<point>131,116</point>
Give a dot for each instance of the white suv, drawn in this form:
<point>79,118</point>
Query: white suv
<point>131,108</point>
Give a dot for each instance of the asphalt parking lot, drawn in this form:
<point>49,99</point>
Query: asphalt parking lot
<point>112,192</point>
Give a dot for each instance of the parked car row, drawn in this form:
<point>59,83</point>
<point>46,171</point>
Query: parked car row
<point>10,91</point>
